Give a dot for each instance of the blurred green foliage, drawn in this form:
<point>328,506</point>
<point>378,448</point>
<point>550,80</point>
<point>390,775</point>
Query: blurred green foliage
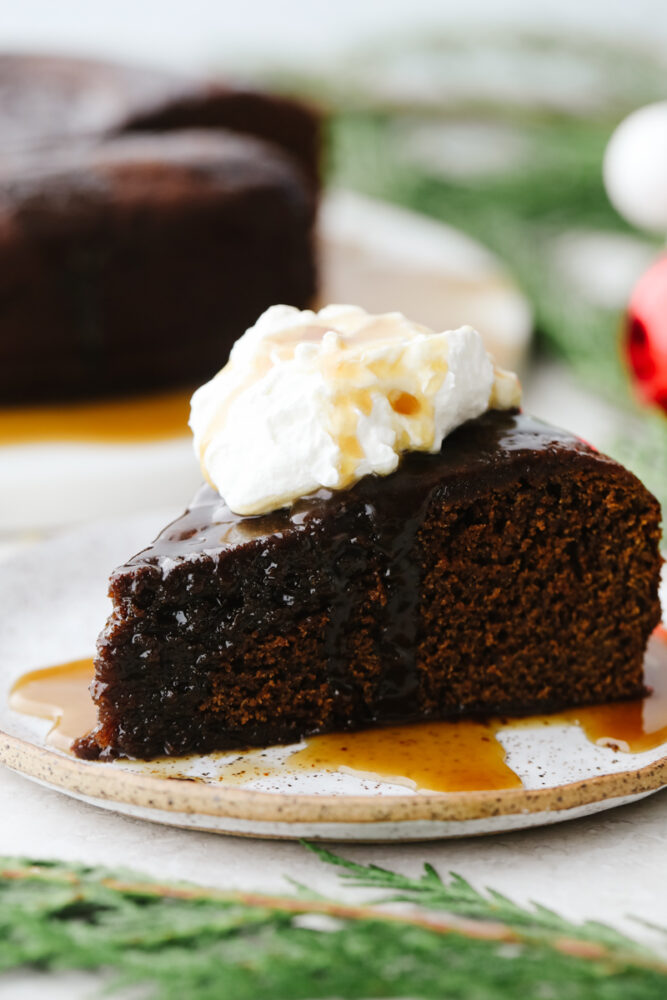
<point>446,941</point>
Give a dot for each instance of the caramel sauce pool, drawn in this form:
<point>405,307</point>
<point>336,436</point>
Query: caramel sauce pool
<point>460,756</point>
<point>61,695</point>
<point>455,756</point>
<point>141,418</point>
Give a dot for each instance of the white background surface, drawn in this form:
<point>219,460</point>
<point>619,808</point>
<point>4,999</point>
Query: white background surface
<point>196,33</point>
<point>603,867</point>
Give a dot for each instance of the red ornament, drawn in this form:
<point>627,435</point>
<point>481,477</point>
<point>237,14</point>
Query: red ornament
<point>646,334</point>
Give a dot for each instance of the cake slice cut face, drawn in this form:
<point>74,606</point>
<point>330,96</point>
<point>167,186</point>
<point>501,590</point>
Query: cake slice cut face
<point>516,570</point>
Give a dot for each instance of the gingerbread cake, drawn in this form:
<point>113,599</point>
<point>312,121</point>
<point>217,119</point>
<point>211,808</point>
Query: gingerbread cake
<point>515,570</point>
<point>134,265</point>
<point>145,220</point>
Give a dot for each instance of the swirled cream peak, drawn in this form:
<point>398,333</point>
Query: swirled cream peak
<point>320,399</point>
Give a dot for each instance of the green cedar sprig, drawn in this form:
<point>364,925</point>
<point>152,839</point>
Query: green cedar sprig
<point>458,897</point>
<point>180,941</point>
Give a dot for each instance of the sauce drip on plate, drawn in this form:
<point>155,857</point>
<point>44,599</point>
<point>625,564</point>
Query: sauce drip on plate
<point>454,756</point>
<point>60,694</point>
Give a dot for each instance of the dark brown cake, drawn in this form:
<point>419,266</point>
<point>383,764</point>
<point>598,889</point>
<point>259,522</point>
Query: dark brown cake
<point>515,571</point>
<point>137,263</point>
<point>145,221</point>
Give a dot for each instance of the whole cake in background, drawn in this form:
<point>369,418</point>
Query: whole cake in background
<point>384,537</point>
<point>145,220</point>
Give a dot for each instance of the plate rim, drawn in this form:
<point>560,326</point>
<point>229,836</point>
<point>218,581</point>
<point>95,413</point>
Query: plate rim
<point>109,783</point>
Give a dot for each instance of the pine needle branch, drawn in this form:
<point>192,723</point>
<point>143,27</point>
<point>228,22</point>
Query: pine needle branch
<point>184,941</point>
<point>458,897</point>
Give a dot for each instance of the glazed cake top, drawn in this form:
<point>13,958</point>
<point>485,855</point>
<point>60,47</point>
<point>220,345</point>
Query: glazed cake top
<point>483,453</point>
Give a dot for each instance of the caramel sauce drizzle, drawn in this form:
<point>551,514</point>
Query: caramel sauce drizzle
<point>454,756</point>
<point>142,418</point>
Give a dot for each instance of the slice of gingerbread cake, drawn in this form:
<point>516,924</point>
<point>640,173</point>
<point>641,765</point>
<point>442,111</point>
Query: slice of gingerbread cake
<point>396,542</point>
<point>145,219</point>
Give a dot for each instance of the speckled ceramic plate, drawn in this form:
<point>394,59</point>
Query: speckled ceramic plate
<point>53,602</point>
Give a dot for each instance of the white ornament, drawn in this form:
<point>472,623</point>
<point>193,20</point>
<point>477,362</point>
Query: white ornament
<point>635,168</point>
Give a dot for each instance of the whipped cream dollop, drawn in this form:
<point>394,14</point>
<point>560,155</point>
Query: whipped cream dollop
<point>321,399</point>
